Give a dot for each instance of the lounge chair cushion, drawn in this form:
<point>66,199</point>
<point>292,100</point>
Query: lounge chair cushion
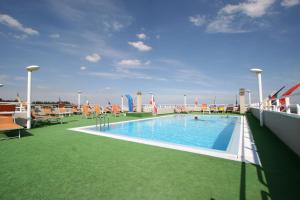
<point>7,123</point>
<point>9,126</point>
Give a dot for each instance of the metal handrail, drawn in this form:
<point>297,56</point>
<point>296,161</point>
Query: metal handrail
<point>105,121</point>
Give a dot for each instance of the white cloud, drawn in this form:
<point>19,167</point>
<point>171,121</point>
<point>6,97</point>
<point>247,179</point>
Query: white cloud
<point>140,46</point>
<point>251,8</point>
<point>111,75</point>
<point>133,62</point>
<point>54,36</point>
<point>290,3</point>
<point>82,68</point>
<point>15,24</point>
<point>141,36</point>
<point>197,20</point>
<point>234,18</point>
<point>103,16</point>
<point>128,64</point>
<point>223,24</point>
<point>157,37</point>
<point>93,57</point>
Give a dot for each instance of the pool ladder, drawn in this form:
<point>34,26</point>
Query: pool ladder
<point>102,121</point>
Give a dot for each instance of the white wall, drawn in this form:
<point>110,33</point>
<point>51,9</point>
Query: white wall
<point>283,125</point>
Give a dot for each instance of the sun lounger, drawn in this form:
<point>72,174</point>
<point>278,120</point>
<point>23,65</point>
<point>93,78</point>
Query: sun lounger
<point>7,123</point>
<point>221,109</point>
<point>230,108</point>
<point>62,110</point>
<point>213,108</point>
<point>75,110</point>
<point>98,110</point>
<point>47,110</point>
<point>180,109</point>
<point>86,111</point>
<point>36,117</point>
<point>205,108</point>
<point>115,109</point>
<point>108,109</point>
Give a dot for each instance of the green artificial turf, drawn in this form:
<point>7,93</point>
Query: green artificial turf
<point>134,114</point>
<point>51,162</point>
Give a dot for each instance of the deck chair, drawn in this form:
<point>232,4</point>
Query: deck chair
<point>230,108</point>
<point>98,110</point>
<point>38,117</point>
<point>205,108</point>
<point>108,109</point>
<point>47,110</point>
<point>213,108</point>
<point>177,109</point>
<point>63,111</point>
<point>7,123</point>
<point>184,109</point>
<point>86,111</point>
<point>75,110</point>
<point>115,109</point>
<point>221,109</point>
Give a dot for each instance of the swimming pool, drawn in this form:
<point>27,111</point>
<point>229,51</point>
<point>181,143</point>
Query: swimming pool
<point>210,133</point>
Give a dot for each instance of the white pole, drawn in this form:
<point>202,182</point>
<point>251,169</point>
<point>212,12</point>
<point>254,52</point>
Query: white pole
<point>260,99</point>
<point>29,69</point>
<point>249,98</point>
<point>29,100</point>
<point>122,103</point>
<point>258,73</point>
<point>79,95</point>
<point>184,100</point>
<point>287,104</point>
<point>298,109</point>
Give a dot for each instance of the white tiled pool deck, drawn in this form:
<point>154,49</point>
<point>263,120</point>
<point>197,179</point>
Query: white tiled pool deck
<point>249,152</point>
<point>246,147</point>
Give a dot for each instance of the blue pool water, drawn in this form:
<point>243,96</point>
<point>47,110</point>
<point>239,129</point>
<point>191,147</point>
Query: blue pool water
<point>210,131</point>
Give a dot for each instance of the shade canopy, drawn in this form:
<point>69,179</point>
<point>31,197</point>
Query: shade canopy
<point>256,70</point>
<point>32,68</point>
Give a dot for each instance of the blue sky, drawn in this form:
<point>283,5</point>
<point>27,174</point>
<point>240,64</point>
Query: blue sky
<point>108,48</point>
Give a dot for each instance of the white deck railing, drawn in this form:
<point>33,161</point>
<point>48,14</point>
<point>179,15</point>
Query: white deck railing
<point>275,105</point>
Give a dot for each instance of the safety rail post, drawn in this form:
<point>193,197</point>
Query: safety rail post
<point>298,109</point>
<point>277,105</point>
<point>273,108</point>
<point>269,105</point>
<point>287,104</point>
